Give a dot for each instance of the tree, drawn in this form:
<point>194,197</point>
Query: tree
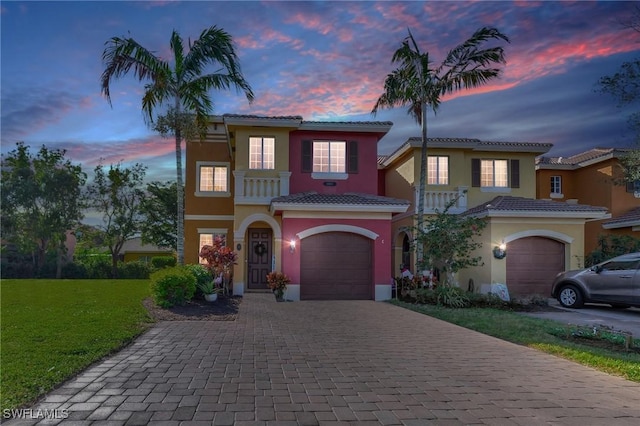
<point>418,84</point>
<point>117,194</point>
<point>160,213</point>
<point>180,85</point>
<point>624,86</point>
<point>41,201</point>
<point>449,241</point>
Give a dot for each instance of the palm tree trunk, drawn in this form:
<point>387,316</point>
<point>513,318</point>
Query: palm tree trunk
<point>180,200</point>
<point>422,187</point>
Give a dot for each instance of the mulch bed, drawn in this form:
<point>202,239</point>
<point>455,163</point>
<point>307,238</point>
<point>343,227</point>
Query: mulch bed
<point>223,309</point>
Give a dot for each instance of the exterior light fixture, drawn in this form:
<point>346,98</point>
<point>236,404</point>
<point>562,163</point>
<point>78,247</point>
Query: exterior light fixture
<point>292,246</point>
<point>500,252</point>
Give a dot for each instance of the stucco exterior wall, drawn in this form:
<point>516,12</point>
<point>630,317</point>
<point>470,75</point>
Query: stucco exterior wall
<point>381,245</point>
<point>364,181</point>
<point>568,231</point>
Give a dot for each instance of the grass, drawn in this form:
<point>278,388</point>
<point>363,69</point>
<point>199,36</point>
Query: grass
<point>52,329</point>
<point>537,333</point>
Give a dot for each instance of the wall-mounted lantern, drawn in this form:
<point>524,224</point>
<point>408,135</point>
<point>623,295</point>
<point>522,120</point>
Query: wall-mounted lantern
<point>500,252</point>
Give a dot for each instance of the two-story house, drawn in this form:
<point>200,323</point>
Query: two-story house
<point>295,196</point>
<point>593,177</point>
<point>495,181</point>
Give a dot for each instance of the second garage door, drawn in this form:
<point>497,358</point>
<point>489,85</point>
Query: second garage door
<point>335,265</point>
<point>532,264</point>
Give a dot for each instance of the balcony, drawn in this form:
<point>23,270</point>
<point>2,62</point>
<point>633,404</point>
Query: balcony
<point>259,189</point>
<point>438,200</point>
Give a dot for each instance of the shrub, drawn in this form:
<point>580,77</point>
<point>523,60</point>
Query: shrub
<point>134,270</point>
<point>161,262</point>
<point>451,297</point>
<point>74,270</point>
<point>202,275</point>
<point>173,286</point>
<point>98,267</point>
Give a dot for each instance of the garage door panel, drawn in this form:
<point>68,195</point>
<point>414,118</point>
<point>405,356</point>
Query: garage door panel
<point>336,265</point>
<point>532,264</point>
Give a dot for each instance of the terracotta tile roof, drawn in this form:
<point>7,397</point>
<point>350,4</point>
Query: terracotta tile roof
<point>472,144</point>
<point>350,198</point>
<point>479,144</point>
<point>364,123</point>
<point>631,218</point>
<point>592,155</point>
<point>261,117</point>
<point>504,204</point>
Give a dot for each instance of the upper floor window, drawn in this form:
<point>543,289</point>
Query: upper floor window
<point>329,157</point>
<point>495,175</point>
<point>339,158</point>
<point>213,178</point>
<point>556,184</point>
<point>262,153</point>
<point>437,170</point>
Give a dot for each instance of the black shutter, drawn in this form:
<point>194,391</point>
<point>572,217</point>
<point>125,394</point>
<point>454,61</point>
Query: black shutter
<point>515,173</point>
<point>307,156</point>
<point>475,172</point>
<point>352,154</point>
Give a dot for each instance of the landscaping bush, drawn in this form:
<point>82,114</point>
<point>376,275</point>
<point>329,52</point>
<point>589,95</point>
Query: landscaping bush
<point>74,270</point>
<point>451,297</point>
<point>161,262</point>
<point>134,270</point>
<point>201,274</point>
<point>173,286</point>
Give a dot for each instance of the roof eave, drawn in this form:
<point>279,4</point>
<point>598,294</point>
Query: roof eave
<point>390,208</point>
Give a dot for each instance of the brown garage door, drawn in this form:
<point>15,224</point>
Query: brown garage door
<point>532,264</point>
<point>335,265</point>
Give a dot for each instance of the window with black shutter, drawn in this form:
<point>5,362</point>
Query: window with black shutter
<point>475,172</point>
<point>352,165</point>
<point>307,156</point>
<point>515,173</point>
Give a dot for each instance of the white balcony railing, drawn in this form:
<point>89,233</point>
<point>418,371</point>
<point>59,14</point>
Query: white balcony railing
<point>438,200</point>
<point>259,190</point>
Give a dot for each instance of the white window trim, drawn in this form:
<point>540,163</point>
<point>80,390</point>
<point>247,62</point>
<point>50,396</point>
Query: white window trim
<point>262,138</point>
<point>438,170</point>
<point>328,175</point>
<point>494,188</point>
<point>199,193</point>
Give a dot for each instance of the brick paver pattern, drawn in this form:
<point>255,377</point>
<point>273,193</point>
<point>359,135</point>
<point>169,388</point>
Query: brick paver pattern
<point>336,362</point>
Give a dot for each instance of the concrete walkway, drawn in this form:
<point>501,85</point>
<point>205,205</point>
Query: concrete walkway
<point>361,362</point>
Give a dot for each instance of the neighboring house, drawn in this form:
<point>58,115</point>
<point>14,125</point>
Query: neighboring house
<point>295,196</point>
<point>134,250</point>
<point>496,181</point>
<point>593,177</point>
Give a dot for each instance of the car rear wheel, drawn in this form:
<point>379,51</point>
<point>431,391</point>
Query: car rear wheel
<point>570,297</point>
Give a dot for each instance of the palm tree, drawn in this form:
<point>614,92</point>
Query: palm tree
<point>180,85</point>
<point>416,83</point>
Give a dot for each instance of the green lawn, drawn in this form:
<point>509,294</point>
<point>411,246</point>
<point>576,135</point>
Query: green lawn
<point>52,329</point>
<point>536,333</point>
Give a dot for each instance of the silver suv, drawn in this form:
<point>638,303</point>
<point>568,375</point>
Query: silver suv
<point>615,282</point>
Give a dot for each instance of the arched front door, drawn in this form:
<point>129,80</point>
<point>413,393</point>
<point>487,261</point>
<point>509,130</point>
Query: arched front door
<point>259,257</point>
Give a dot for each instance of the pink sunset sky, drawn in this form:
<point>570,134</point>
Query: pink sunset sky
<point>320,60</point>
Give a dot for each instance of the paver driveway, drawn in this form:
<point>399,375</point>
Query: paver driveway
<point>345,362</point>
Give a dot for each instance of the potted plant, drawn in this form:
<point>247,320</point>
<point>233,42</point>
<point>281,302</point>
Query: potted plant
<point>209,289</point>
<point>277,282</point>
